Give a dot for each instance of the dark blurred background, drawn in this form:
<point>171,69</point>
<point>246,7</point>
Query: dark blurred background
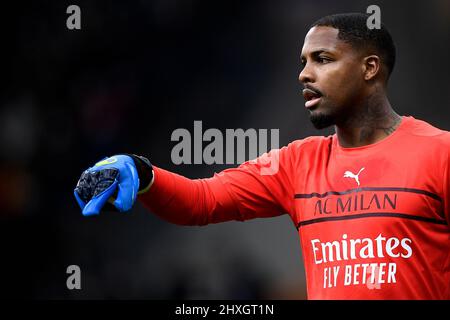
<point>135,72</point>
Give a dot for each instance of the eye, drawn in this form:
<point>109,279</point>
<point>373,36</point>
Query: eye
<point>323,60</point>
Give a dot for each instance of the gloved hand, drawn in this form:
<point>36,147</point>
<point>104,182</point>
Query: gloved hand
<point>117,180</point>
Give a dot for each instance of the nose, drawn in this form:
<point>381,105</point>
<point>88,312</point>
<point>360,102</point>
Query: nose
<point>306,75</point>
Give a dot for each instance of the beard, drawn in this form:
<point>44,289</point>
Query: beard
<point>321,120</point>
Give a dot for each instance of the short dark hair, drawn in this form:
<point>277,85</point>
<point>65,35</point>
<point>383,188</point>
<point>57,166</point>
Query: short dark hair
<point>353,30</point>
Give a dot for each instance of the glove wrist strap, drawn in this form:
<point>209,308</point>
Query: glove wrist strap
<point>145,172</point>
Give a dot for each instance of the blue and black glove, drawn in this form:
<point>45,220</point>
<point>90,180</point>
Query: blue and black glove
<point>113,182</point>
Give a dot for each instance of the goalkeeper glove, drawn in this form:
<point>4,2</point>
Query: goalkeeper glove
<point>117,180</point>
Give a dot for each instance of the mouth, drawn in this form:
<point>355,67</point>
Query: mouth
<point>312,97</point>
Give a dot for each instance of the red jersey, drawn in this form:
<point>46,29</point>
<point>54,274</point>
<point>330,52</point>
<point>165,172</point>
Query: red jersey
<point>373,221</point>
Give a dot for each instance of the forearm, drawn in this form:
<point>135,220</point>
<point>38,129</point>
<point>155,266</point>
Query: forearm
<point>183,201</point>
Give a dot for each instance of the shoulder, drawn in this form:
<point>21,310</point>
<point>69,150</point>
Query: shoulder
<point>428,138</point>
<point>425,134</point>
<point>310,143</point>
<point>422,128</point>
<point>307,149</point>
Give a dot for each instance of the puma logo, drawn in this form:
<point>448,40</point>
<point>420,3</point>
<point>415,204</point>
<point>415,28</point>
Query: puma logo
<point>349,174</point>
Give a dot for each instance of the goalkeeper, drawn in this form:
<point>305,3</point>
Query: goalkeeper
<point>371,202</point>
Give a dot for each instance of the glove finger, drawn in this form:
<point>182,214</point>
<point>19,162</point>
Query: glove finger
<point>128,188</point>
<point>95,205</point>
<point>81,203</point>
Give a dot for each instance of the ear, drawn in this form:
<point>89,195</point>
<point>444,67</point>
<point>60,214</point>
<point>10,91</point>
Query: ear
<point>371,67</point>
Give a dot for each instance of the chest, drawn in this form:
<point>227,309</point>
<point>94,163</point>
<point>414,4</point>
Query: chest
<point>340,186</point>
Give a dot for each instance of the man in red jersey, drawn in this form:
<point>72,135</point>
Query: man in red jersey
<point>371,203</point>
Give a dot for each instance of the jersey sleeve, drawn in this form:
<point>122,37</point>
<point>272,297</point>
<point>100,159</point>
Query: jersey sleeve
<point>255,189</point>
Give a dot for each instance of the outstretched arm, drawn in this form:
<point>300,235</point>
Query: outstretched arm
<point>234,194</point>
<point>256,189</point>
<point>180,200</point>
